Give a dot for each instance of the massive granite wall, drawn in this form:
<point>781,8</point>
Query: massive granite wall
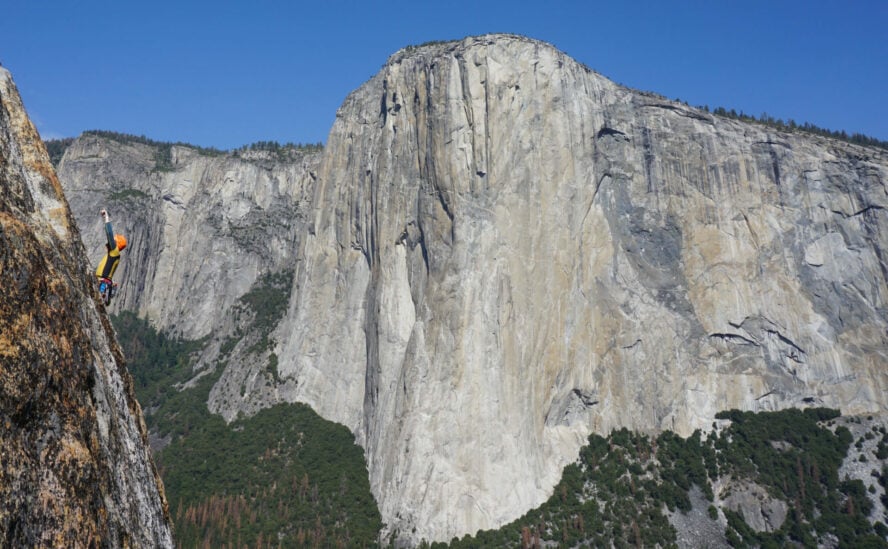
<point>509,251</point>
<point>500,251</point>
<point>74,464</point>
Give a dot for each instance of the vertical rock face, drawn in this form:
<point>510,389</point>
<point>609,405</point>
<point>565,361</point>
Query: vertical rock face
<point>204,228</point>
<point>509,251</point>
<point>74,463</point>
<point>501,251</point>
<point>201,227</point>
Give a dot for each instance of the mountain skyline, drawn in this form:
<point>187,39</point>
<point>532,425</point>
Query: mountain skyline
<point>229,74</point>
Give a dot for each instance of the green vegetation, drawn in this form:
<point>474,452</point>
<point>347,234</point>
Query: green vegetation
<point>287,151</point>
<point>284,477</point>
<point>129,139</point>
<point>157,363</point>
<point>56,149</point>
<point>283,474</point>
<point>798,461</point>
<point>882,448</point>
<point>272,368</point>
<point>163,157</point>
<point>615,493</point>
<point>618,490</point>
<point>411,48</point>
<point>791,126</point>
<point>268,298</point>
<point>128,194</point>
<point>267,302</point>
<point>883,482</point>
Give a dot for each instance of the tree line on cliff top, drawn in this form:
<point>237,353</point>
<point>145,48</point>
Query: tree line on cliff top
<point>57,147</point>
<point>806,127</point>
<point>282,151</point>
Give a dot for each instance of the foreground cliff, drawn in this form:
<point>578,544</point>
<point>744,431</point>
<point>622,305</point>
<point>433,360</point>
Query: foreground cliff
<point>500,252</point>
<point>74,463</point>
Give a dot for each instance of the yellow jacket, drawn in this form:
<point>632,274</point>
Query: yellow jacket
<point>108,264</point>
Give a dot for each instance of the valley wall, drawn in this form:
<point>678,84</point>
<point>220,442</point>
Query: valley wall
<point>499,252</point>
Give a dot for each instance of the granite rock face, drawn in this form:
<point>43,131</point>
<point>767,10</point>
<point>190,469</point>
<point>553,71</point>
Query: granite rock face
<point>501,251</point>
<point>508,251</point>
<point>761,511</point>
<point>75,470</point>
<point>204,229</point>
<point>201,227</point>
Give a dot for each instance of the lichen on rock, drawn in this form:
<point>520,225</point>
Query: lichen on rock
<point>74,463</point>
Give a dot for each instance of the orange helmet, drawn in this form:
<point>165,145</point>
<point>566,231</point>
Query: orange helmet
<point>120,240</point>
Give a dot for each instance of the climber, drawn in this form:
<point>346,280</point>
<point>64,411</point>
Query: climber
<point>105,271</point>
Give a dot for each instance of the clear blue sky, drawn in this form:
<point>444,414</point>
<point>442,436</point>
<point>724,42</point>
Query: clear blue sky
<point>224,74</point>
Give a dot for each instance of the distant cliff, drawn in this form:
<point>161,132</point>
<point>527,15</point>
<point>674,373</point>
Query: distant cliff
<point>201,227</point>
<point>208,234</point>
<point>501,251</point>
<point>74,463</point>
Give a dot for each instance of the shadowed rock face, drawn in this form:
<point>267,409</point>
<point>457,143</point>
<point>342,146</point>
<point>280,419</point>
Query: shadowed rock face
<point>509,251</point>
<point>74,462</point>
